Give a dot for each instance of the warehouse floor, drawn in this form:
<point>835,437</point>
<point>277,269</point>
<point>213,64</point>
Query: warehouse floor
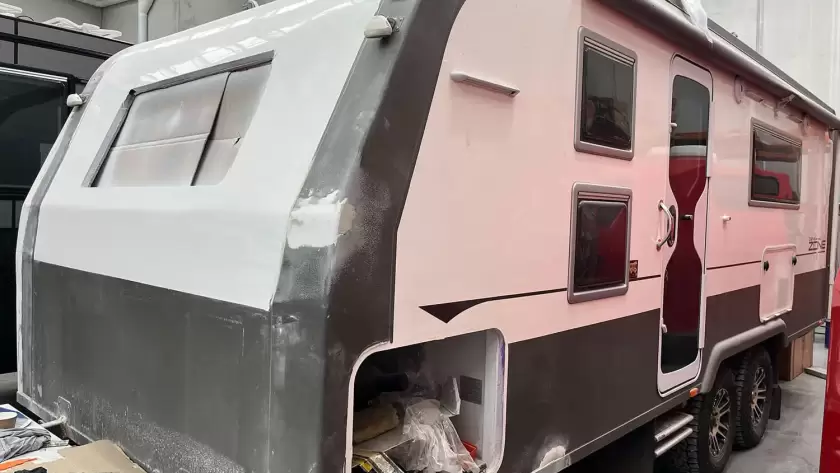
<point>791,445</point>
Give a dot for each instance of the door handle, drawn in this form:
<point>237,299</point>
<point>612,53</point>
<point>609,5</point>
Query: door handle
<point>669,229</point>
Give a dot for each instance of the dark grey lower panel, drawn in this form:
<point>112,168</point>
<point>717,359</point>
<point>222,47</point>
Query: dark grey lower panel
<point>185,382</point>
<point>180,381</point>
<point>585,388</point>
<point>572,388</point>
<point>810,293</point>
<point>732,313</point>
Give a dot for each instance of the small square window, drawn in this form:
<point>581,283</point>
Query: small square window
<point>600,242</point>
<point>776,169</point>
<point>605,98</point>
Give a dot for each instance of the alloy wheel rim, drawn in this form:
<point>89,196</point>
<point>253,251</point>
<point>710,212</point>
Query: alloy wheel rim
<point>720,422</point>
<point>758,398</point>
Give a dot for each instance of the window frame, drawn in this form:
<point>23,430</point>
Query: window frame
<point>113,132</point>
<point>773,204</point>
<point>618,53</point>
<point>584,192</point>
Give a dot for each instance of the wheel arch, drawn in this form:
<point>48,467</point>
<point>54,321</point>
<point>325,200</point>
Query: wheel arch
<point>771,335</point>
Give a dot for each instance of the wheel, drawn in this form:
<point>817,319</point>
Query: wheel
<point>753,399</point>
<point>708,448</point>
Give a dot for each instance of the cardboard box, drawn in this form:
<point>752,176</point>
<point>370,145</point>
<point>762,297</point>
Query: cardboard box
<point>796,357</point>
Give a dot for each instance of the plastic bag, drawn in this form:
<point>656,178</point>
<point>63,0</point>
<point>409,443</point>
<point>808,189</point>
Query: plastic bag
<point>698,16</point>
<point>435,446</point>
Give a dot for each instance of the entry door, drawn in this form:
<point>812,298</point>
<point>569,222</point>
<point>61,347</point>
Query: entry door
<point>684,209</point>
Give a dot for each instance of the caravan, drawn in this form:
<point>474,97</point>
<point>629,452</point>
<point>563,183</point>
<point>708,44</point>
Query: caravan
<point>578,231</point>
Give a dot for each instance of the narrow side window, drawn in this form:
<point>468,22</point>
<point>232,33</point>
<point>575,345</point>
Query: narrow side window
<point>776,169</point>
<point>606,97</point>
<point>600,242</point>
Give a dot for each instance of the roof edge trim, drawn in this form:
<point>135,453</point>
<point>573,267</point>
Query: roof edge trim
<point>670,21</point>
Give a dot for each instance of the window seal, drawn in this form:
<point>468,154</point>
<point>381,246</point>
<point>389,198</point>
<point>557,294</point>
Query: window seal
<point>620,54</point>
<point>772,204</point>
<point>598,193</point>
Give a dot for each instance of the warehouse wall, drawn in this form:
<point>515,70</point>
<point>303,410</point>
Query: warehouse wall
<point>800,37</point>
<point>169,16</point>
<point>42,10</point>
<point>122,17</point>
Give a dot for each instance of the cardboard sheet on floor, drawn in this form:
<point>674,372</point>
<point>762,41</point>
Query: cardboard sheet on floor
<point>101,456</point>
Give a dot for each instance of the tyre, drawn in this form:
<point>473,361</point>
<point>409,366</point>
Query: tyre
<point>753,399</point>
<point>708,448</point>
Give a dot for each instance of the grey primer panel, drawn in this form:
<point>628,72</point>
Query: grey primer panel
<point>157,371</point>
<point>155,361</point>
<point>342,297</point>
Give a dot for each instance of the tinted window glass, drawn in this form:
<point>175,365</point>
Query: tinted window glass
<point>31,115</point>
<point>600,245</point>
<point>690,112</point>
<point>606,115</point>
<point>777,165</point>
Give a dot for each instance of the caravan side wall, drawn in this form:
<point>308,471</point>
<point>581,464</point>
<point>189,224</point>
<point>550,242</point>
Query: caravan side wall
<point>484,239</point>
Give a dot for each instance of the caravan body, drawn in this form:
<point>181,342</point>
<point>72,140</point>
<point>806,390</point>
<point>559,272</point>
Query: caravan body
<point>581,217</point>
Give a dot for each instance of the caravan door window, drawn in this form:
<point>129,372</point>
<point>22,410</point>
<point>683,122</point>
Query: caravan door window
<point>606,97</point>
<point>776,168</point>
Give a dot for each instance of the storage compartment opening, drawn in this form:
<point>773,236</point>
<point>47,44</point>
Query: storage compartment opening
<point>432,407</point>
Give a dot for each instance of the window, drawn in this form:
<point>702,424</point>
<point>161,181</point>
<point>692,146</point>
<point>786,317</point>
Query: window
<point>32,111</point>
<point>605,98</point>
<point>184,135</point>
<point>600,242</point>
<point>776,168</point>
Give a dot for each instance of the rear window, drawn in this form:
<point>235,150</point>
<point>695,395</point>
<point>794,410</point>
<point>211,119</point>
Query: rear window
<point>186,134</point>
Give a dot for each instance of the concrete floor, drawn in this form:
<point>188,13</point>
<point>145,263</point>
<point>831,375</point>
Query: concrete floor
<point>792,444</point>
